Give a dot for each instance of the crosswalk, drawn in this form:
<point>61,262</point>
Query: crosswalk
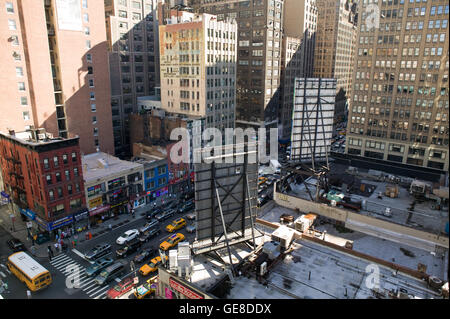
<point>76,275</point>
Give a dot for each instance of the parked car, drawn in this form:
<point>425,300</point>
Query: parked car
<point>148,225</point>
<point>149,234</point>
<point>98,265</point>
<point>171,241</point>
<point>121,288</point>
<point>127,236</point>
<point>191,228</point>
<point>186,207</point>
<point>144,254</point>
<point>176,224</point>
<point>190,216</point>
<point>152,266</point>
<point>111,272</point>
<point>129,248</point>
<point>152,213</point>
<point>165,215</point>
<point>16,245</point>
<point>98,251</point>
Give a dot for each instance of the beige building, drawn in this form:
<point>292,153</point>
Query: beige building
<point>259,41</point>
<point>198,67</point>
<point>54,71</point>
<point>132,34</point>
<point>399,109</point>
<point>335,42</point>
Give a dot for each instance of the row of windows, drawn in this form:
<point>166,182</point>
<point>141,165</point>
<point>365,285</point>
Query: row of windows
<point>58,176</point>
<point>60,194</point>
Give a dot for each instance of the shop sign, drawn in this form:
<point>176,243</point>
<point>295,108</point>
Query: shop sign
<point>118,204</point>
<point>41,223</point>
<point>190,294</point>
<point>99,210</point>
<point>96,202</point>
<point>27,212</point>
<point>81,215</point>
<point>168,293</point>
<point>60,222</point>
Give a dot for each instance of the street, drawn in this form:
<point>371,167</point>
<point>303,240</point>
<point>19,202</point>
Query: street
<point>65,263</point>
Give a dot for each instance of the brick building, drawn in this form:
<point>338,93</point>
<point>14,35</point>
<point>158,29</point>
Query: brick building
<point>43,177</point>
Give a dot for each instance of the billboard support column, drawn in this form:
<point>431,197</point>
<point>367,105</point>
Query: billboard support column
<point>224,230</point>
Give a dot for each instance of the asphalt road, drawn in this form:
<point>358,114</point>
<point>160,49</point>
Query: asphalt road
<point>64,263</point>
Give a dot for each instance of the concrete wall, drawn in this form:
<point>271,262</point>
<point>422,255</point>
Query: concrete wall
<point>365,224</point>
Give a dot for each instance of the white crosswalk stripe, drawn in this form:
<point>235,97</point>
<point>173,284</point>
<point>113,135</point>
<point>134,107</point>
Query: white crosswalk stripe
<point>2,274</point>
<point>66,266</point>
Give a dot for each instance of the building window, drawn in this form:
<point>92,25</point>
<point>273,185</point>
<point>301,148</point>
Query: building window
<point>9,7</point>
<point>75,203</point>
<point>67,174</point>
<point>85,4</point>
<point>15,40</point>
<point>95,131</point>
<point>26,116</point>
<point>58,177</point>
<point>74,157</point>
<point>94,120</point>
<point>87,31</point>
<point>65,157</point>
<point>21,86</point>
<point>23,100</point>
<point>122,14</point>
<point>12,24</point>
<point>60,192</point>
<point>75,172</point>
<point>51,195</point>
<point>88,44</point>
<point>89,58</point>
<point>92,95</point>
<point>46,163</point>
<point>91,83</point>
<point>19,71</point>
<point>69,189</point>
<point>49,179</point>
<point>55,161</point>
<point>85,17</point>
<point>93,108</point>
<point>90,70</point>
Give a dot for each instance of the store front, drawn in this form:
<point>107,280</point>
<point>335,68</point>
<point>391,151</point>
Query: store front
<point>98,214</point>
<point>152,196</point>
<point>81,219</point>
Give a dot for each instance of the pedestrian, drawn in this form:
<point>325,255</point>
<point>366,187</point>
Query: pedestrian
<point>56,237</point>
<point>33,250</point>
<point>56,247</point>
<point>50,252</point>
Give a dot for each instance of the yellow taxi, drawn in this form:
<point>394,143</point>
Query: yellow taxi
<point>152,266</point>
<point>172,241</point>
<point>175,225</point>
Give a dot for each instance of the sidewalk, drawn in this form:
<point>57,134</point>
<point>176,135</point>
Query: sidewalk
<point>41,250</point>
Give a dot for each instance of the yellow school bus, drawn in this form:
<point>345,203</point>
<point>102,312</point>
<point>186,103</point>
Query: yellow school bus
<point>29,271</point>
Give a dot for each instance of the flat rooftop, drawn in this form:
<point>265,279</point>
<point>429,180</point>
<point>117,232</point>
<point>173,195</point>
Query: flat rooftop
<point>313,271</point>
<point>423,217</point>
<point>102,165</point>
<point>401,254</point>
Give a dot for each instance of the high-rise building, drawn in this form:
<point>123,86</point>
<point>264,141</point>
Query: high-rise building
<point>399,110</point>
<point>132,34</point>
<point>54,71</point>
<point>258,54</point>
<point>43,176</point>
<point>198,67</point>
<point>299,25</point>
<point>335,41</point>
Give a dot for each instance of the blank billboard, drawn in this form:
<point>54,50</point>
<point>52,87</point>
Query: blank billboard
<point>69,15</point>
<point>230,181</point>
<point>312,118</point>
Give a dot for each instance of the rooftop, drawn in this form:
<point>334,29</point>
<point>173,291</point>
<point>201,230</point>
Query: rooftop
<point>102,166</point>
<point>366,187</point>
<point>35,137</point>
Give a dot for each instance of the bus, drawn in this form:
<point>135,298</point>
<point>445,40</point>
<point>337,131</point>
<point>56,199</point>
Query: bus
<point>28,270</point>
